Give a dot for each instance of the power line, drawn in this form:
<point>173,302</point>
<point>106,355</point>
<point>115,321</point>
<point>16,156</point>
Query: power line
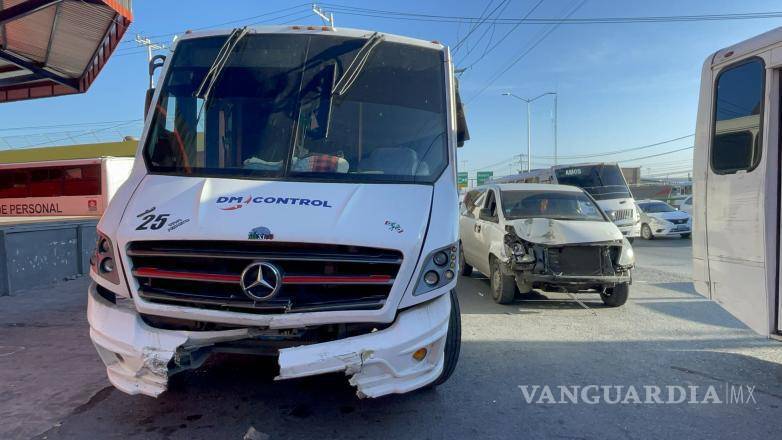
<point>459,43</point>
<point>399,15</point>
<point>656,155</point>
<point>619,151</point>
<point>80,124</point>
<point>524,53</point>
<point>132,50</point>
<point>500,163</point>
<point>486,31</point>
<point>238,20</point>
<point>507,34</point>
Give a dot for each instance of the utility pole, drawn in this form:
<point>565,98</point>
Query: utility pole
<point>145,41</point>
<point>328,18</point>
<point>529,123</point>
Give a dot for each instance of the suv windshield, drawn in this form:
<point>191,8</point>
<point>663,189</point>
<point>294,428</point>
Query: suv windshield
<point>555,205</point>
<point>653,207</point>
<point>602,181</point>
<point>272,112</point>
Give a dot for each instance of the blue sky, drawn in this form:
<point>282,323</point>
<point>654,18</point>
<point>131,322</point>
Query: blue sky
<point>619,85</point>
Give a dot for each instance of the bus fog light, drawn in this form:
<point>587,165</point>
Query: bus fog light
<point>420,354</point>
<point>431,278</point>
<point>107,265</point>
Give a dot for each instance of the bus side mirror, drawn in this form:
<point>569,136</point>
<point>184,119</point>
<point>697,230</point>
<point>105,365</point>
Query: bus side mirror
<point>155,63</point>
<point>462,133</point>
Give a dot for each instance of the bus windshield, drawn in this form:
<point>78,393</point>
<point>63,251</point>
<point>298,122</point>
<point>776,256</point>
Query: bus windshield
<point>273,111</point>
<point>549,204</point>
<point>602,181</point>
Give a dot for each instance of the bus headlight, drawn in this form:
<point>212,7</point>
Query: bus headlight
<point>438,269</point>
<point>103,261</point>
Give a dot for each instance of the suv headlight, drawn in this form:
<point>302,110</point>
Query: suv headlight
<point>103,261</point>
<point>439,269</point>
<point>627,257</point>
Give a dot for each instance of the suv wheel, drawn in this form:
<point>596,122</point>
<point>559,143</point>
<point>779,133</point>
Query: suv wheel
<point>616,296</point>
<point>503,287</point>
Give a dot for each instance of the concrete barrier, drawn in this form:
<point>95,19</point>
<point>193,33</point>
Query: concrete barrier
<point>34,254</point>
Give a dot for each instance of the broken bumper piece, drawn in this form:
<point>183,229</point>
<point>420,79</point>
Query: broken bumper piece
<point>381,362</point>
<point>138,357</point>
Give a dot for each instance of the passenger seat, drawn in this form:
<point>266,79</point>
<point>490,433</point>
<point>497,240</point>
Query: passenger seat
<point>392,160</point>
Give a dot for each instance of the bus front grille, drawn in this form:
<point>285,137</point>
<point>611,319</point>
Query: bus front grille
<point>313,277</point>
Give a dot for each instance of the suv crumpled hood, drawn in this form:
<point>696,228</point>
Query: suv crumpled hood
<point>548,231</point>
<point>196,208</point>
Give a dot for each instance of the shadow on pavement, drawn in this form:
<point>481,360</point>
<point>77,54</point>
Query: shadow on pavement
<point>224,399</point>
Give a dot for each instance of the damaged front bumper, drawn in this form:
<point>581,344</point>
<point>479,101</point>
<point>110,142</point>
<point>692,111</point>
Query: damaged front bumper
<point>139,358</point>
<point>580,280</point>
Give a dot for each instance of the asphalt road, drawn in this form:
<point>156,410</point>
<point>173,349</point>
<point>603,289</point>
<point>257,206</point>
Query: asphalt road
<point>52,384</point>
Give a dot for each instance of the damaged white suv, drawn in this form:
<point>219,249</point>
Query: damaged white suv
<point>294,194</point>
<point>555,237</point>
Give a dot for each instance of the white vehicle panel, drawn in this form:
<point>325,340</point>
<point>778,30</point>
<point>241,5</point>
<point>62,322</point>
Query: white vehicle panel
<point>355,215</point>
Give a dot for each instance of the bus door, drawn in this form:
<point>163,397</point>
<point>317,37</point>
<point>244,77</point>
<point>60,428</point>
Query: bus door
<point>736,202</point>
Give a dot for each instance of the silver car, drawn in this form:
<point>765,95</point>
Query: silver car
<point>661,219</point>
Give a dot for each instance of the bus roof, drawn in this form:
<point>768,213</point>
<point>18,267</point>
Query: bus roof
<point>317,30</point>
<point>759,43</point>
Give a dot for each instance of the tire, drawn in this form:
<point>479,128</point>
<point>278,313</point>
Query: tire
<point>646,232</point>
<point>687,235</point>
<point>453,341</point>
<point>616,296</point>
<point>503,287</point>
<point>464,268</point>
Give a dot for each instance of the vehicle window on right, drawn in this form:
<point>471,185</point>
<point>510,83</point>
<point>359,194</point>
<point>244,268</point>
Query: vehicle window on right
<point>568,205</point>
<point>737,132</point>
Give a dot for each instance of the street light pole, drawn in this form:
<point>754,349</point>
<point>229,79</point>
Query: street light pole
<point>529,124</point>
<point>529,139</point>
<point>555,128</point>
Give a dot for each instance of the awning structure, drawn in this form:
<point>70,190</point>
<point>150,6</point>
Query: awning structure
<point>57,47</point>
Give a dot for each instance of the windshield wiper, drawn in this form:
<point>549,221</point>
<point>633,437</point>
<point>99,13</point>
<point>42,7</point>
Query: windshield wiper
<point>350,75</point>
<point>204,90</point>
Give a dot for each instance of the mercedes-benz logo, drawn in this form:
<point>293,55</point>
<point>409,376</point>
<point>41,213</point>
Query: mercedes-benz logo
<point>261,281</point>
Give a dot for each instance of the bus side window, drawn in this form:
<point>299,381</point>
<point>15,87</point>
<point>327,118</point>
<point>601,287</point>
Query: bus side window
<point>82,181</point>
<point>736,136</point>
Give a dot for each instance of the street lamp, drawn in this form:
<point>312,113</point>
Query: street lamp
<point>529,127</point>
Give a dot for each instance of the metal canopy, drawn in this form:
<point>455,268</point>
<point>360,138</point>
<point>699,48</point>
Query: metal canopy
<point>57,47</point>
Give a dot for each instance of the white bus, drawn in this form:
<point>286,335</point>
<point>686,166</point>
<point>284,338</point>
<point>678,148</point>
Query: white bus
<point>736,190</point>
<point>71,187</point>
<point>294,195</point>
<point>603,181</point>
